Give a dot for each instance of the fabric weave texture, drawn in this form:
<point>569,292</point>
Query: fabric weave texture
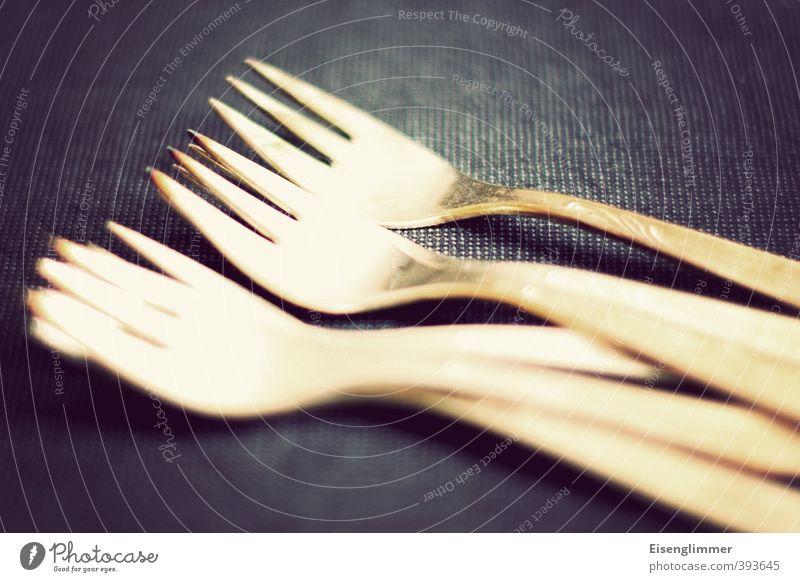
<point>89,99</point>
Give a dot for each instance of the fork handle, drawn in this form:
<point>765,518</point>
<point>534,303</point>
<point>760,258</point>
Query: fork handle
<point>726,432</point>
<point>704,488</point>
<point>530,345</point>
<point>730,432</point>
<point>770,274</point>
<point>745,352</point>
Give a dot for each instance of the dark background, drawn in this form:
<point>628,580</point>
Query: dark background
<point>88,459</point>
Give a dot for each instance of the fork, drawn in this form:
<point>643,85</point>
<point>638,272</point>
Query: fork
<point>384,175</point>
<point>188,335</point>
<point>323,258</point>
<point>198,302</point>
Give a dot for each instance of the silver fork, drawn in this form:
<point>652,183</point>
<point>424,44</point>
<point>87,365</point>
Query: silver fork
<point>385,176</point>
<point>205,343</point>
<point>326,259</point>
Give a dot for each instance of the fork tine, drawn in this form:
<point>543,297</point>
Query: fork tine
<point>270,185</point>
<point>265,219</point>
<point>209,162</point>
<point>170,261</point>
<point>296,165</point>
<point>249,251</point>
<point>322,138</point>
<point>186,175</point>
<point>339,112</point>
<point>103,338</point>
<point>51,336</point>
<point>159,291</point>
<point>123,306</point>
<point>206,158</point>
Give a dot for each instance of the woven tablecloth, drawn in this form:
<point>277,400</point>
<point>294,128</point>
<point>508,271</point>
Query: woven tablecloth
<point>679,110</point>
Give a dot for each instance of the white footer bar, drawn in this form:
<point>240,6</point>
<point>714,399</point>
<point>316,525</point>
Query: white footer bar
<point>401,557</point>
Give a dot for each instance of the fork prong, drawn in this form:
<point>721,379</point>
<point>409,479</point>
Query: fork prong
<point>250,252</point>
<point>159,291</point>
<point>106,342</point>
<point>299,167</point>
<point>170,261</point>
<point>187,175</point>
<point>50,335</point>
<point>124,306</point>
<point>192,179</point>
<point>270,185</point>
<point>204,156</point>
<point>322,138</point>
<point>265,219</point>
<point>337,111</point>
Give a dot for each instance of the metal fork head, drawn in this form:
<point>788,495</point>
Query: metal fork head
<point>207,345</point>
<point>314,254</point>
<point>376,171</point>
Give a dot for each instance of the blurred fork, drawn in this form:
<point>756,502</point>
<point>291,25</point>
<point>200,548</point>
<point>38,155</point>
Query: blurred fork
<point>386,177</point>
<point>159,310</point>
<point>323,258</point>
<point>205,343</point>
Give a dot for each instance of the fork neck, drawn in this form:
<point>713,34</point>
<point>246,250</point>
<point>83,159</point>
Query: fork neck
<point>509,282</point>
<point>470,198</point>
<point>543,203</point>
<point>396,363</point>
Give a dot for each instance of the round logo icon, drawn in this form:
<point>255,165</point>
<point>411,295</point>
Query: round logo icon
<point>31,555</point>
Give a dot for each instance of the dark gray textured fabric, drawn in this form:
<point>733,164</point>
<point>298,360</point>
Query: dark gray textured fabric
<point>88,458</point>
